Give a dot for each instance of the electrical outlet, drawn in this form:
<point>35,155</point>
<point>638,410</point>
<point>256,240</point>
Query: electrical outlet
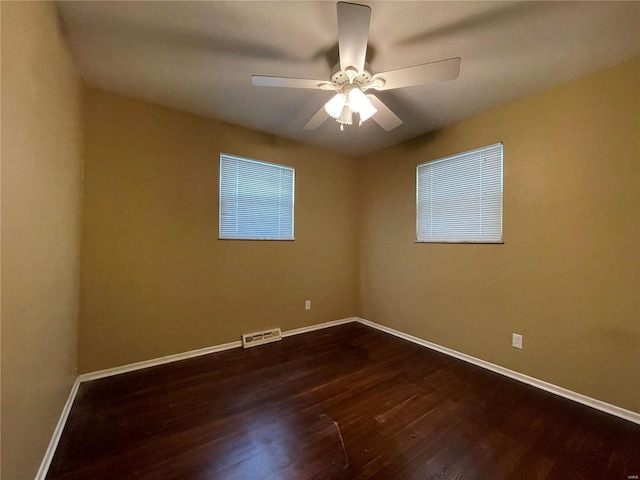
<point>307,305</point>
<point>516,341</point>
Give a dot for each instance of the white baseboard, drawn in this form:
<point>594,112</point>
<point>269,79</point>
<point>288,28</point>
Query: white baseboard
<point>549,387</point>
<point>108,372</point>
<point>311,328</point>
<point>57,433</point>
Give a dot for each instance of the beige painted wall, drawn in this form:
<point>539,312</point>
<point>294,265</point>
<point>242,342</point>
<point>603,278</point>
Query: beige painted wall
<point>155,278</point>
<point>567,276</point>
<point>41,204</point>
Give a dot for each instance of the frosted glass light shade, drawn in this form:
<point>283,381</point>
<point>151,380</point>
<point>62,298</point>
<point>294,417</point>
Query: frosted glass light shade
<point>359,103</point>
<point>335,106</point>
<point>367,111</point>
<point>357,99</point>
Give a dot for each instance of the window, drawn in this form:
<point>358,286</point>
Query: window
<point>256,200</point>
<point>459,198</point>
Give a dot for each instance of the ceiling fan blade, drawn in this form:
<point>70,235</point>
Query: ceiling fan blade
<point>317,120</point>
<point>262,81</point>
<point>384,117</point>
<point>353,34</point>
<point>420,74</point>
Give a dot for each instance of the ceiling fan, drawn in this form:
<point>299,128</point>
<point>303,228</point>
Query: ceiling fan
<point>351,77</point>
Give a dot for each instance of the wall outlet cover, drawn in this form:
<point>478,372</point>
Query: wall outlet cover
<point>516,341</point>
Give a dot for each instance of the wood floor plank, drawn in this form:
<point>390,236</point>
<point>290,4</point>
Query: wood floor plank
<point>347,402</point>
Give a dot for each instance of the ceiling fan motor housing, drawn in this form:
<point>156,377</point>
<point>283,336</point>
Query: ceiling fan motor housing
<point>340,78</point>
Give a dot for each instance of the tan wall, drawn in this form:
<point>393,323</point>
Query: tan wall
<point>155,278</point>
<point>41,204</point>
<point>567,276</point>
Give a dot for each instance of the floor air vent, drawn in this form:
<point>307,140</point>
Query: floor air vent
<point>260,338</point>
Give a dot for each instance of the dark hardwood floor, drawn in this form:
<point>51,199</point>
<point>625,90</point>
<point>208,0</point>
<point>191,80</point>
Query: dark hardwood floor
<point>341,403</point>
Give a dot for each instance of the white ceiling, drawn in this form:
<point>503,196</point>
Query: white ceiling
<point>199,57</point>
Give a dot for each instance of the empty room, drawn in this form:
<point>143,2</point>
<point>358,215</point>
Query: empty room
<point>320,240</point>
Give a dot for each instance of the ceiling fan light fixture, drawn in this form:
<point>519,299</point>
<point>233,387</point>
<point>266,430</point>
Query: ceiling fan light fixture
<point>335,106</point>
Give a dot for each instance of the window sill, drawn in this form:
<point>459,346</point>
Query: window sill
<point>259,239</point>
<point>499,242</point>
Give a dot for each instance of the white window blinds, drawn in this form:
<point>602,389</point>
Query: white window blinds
<point>256,200</point>
<point>459,198</point>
